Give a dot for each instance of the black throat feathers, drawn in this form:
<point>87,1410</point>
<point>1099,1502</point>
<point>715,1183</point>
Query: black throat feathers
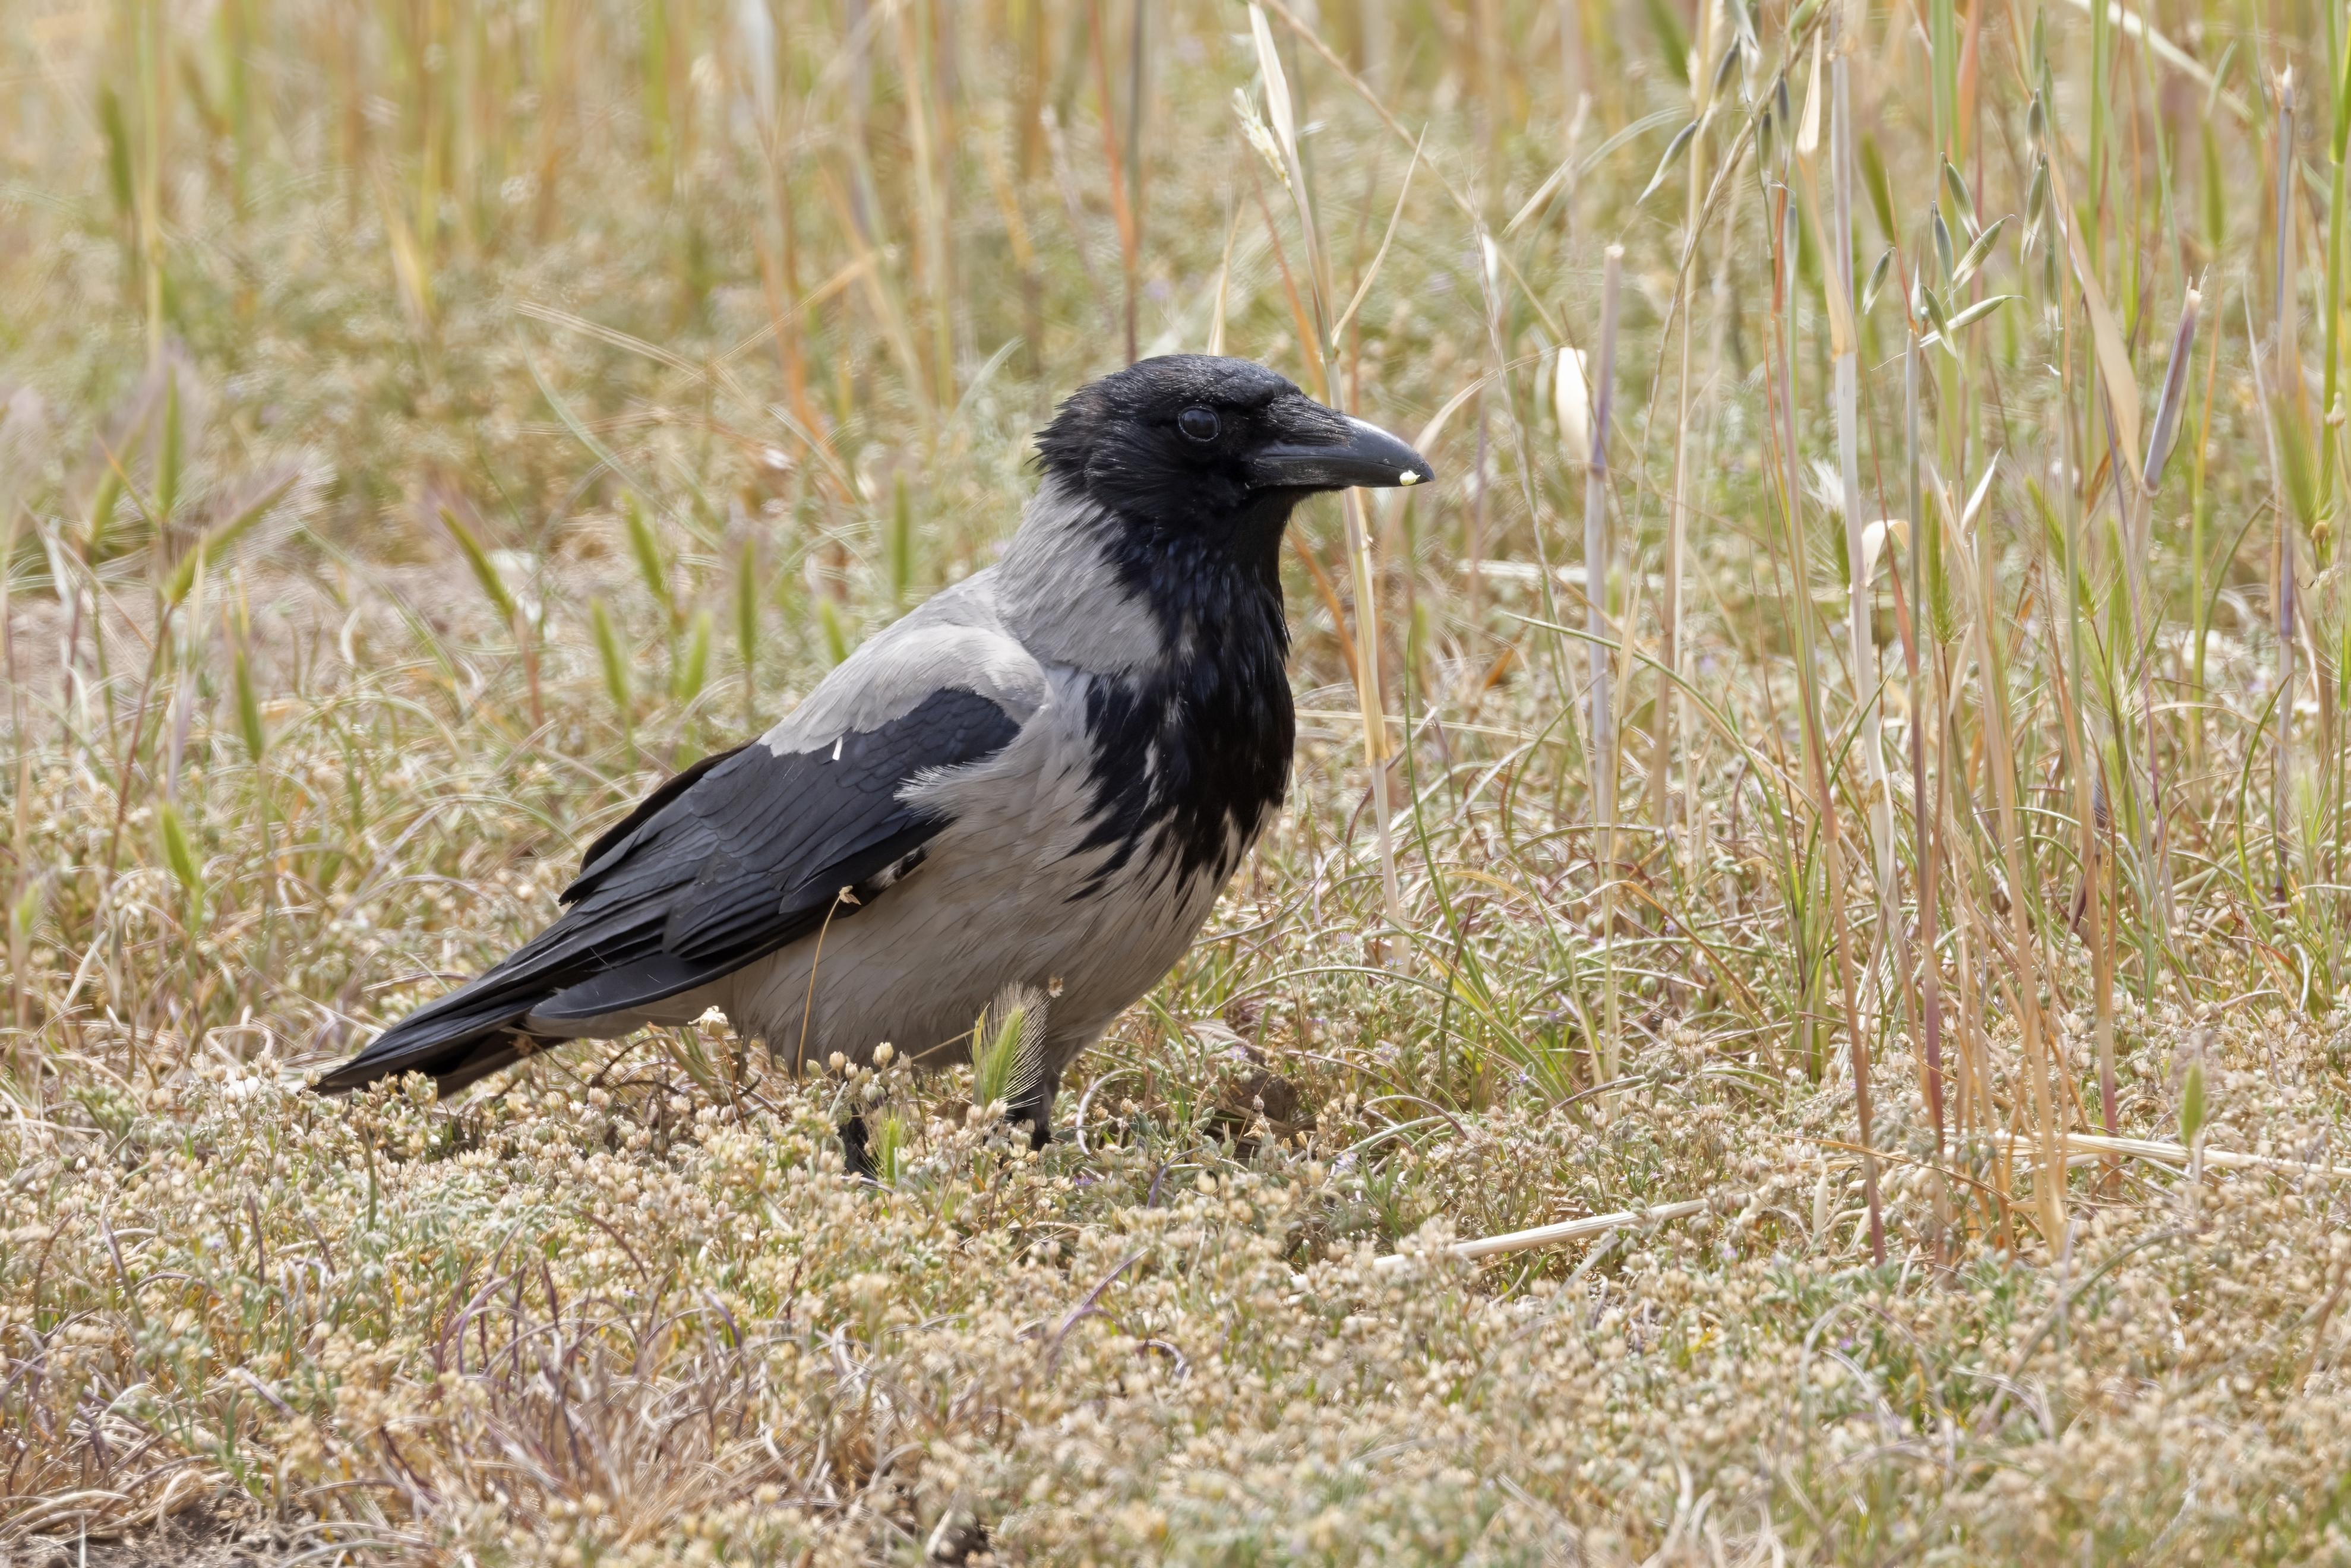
<point>1191,757</point>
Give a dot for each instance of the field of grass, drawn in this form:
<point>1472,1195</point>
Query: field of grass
<point>426,425</point>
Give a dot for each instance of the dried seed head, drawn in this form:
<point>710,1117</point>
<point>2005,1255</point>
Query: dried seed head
<point>1007,1047</point>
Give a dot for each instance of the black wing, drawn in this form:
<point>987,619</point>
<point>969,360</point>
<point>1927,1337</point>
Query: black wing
<point>735,857</point>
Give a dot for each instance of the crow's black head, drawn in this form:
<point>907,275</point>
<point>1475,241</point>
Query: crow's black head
<point>1192,439</point>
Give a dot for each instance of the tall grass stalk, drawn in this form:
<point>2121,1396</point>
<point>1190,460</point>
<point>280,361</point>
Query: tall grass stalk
<point>1921,672</point>
<point>2170,406</point>
<point>2199,549</point>
<point>2289,448</point>
<point>149,20</point>
<point>1118,162</point>
<point>1861,595</point>
<point>1601,724</point>
<point>2339,137</point>
<point>1668,699</point>
<point>2022,954</point>
<point>2086,767</point>
<point>2108,400</point>
<point>747,628</point>
<point>927,155</point>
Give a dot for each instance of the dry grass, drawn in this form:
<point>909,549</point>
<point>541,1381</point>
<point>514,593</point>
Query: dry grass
<point>428,424</point>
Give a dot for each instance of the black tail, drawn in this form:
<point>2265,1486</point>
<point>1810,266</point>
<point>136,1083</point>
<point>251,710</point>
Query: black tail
<point>478,1028</point>
<point>469,1034</point>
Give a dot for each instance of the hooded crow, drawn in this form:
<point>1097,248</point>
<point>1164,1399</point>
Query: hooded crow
<point>1042,776</point>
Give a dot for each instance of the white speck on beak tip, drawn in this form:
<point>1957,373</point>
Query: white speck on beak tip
<point>1407,478</point>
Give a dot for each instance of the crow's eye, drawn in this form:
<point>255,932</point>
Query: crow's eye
<point>1198,423</point>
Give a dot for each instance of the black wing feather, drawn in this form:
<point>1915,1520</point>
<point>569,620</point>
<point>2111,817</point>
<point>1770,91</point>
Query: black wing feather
<point>735,857</point>
<point>646,809</point>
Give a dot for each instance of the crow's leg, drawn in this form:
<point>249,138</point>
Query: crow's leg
<point>1035,1111</point>
<point>852,1149</point>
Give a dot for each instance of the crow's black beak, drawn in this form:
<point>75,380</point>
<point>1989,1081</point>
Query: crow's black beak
<point>1361,454</point>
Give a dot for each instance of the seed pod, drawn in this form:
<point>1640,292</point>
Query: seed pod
<point>607,651</point>
<point>646,550</point>
<point>248,712</point>
<point>1876,279</point>
<point>101,513</point>
<point>1666,164</point>
<point>214,544</point>
<point>485,570</point>
<point>179,854</point>
<point>167,463</point>
<point>747,622</point>
<point>1978,253</point>
<point>2192,1102</point>
<point>694,667</point>
<point>836,636</point>
<point>1961,201</point>
<point>1933,309</point>
<point>1007,1047</point>
<point>1978,311</point>
<point>901,550</point>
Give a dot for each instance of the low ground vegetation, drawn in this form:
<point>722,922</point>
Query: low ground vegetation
<point>423,428</point>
